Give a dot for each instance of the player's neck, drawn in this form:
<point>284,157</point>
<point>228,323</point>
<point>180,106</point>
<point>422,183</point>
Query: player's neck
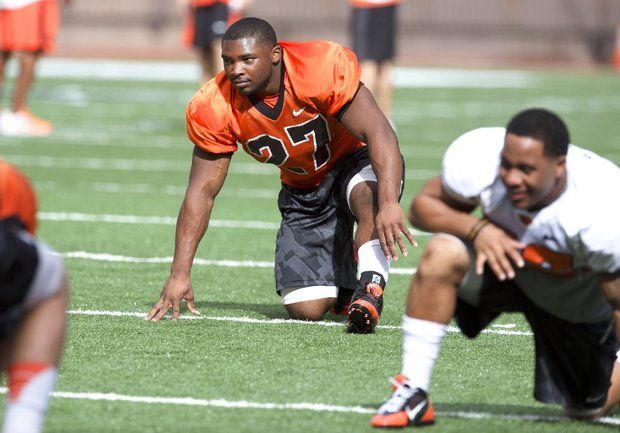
<point>555,193</point>
<point>273,85</point>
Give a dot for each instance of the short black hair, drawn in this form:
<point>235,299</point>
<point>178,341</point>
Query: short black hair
<point>542,125</point>
<point>252,27</point>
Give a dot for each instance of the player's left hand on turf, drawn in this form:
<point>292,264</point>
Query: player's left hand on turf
<point>390,223</point>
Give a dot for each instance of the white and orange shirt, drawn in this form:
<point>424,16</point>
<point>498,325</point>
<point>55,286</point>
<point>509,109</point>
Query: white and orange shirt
<point>298,129</point>
<point>567,242</point>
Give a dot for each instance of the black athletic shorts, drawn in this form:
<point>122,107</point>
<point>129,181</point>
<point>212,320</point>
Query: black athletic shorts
<point>18,264</point>
<point>573,361</point>
<point>374,33</point>
<point>210,24</point>
<point>314,246</point>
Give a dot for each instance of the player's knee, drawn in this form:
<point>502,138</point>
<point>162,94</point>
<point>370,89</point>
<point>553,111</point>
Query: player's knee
<point>362,201</point>
<point>312,311</point>
<point>443,259</point>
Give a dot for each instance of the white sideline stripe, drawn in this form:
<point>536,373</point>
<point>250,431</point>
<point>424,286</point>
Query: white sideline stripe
<point>188,71</point>
<point>105,257</point>
<point>134,219</point>
<point>142,188</point>
<point>253,320</point>
<point>314,407</point>
<point>162,165</point>
<point>189,401</point>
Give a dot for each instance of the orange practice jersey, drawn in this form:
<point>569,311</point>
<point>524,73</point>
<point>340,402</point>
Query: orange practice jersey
<point>373,3</point>
<point>301,134</point>
<point>17,198</point>
<point>204,3</point>
<point>32,27</point>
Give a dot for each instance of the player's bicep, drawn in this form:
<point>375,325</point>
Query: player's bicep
<point>208,172</point>
<point>362,113</point>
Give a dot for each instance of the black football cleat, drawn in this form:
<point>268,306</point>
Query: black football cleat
<point>365,309</point>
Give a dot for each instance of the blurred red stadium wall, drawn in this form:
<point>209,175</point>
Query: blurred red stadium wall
<point>453,32</point>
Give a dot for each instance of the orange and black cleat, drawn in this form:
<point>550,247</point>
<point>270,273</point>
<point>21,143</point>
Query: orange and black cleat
<point>406,407</point>
<point>365,309</point>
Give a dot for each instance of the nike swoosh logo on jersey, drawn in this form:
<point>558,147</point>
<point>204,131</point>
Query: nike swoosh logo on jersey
<point>298,112</point>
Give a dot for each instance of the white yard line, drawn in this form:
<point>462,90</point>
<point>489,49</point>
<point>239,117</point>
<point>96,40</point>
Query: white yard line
<point>104,257</point>
<point>252,320</point>
<point>160,165</point>
<point>143,188</point>
<point>313,407</point>
<point>187,71</point>
<point>135,219</point>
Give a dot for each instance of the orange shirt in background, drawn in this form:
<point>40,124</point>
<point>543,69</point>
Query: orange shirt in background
<point>373,3</point>
<point>17,197</point>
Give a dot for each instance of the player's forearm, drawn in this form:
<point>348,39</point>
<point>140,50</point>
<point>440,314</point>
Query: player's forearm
<point>431,214</point>
<point>386,163</point>
<point>191,225</point>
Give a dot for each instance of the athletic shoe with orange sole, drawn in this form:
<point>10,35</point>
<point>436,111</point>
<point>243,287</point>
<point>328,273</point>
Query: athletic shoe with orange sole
<point>24,124</point>
<point>406,407</point>
<point>365,309</point>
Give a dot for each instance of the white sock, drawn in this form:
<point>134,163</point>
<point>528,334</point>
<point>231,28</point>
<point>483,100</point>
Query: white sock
<point>370,258</point>
<point>25,413</point>
<point>421,343</point>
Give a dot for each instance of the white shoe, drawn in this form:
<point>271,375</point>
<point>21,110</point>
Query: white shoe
<point>23,124</point>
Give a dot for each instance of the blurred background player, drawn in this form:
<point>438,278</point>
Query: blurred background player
<point>301,107</point>
<point>205,24</point>
<point>548,245</point>
<point>28,30</point>
<point>33,303</point>
<point>373,29</point>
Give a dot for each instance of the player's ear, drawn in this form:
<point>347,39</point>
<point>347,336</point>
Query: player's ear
<point>560,166</point>
<point>276,55</point>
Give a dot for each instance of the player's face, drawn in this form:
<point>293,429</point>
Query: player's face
<point>533,180</point>
<point>249,65</point>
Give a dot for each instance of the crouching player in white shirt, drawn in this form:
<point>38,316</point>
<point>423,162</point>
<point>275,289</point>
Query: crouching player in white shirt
<point>548,245</point>
<point>33,303</point>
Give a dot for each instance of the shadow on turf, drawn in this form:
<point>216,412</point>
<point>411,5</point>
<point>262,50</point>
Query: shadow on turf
<point>547,414</point>
<point>268,311</point>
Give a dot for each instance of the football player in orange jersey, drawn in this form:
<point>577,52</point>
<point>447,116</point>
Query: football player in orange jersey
<point>27,30</point>
<point>302,107</point>
<point>33,302</point>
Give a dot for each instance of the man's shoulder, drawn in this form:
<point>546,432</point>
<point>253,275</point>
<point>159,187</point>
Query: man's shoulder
<point>311,60</point>
<point>471,161</point>
<point>310,50</point>
<point>589,202</point>
<point>322,74</point>
<point>213,99</point>
<point>218,90</point>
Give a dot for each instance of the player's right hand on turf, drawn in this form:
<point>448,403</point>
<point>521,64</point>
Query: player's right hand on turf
<point>175,290</point>
<point>499,251</point>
